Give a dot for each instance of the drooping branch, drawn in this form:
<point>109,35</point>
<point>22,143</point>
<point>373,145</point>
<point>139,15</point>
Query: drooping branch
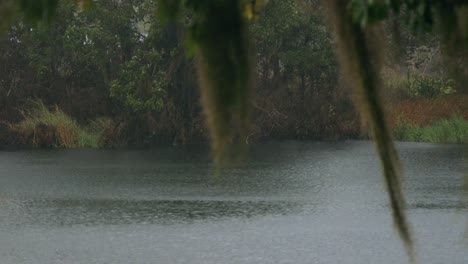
<point>220,35</point>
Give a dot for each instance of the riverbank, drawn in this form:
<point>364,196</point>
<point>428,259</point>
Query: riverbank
<point>452,130</point>
<point>442,119</point>
<point>42,127</point>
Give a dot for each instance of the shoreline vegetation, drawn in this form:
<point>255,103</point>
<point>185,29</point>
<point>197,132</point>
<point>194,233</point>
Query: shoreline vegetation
<point>452,130</point>
<point>50,127</point>
<point>44,127</point>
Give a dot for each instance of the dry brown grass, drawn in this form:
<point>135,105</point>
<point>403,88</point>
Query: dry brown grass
<point>426,111</point>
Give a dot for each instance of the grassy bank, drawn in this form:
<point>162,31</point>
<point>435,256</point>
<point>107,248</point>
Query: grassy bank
<point>451,130</point>
<point>42,127</point>
<point>442,119</point>
<point>439,120</point>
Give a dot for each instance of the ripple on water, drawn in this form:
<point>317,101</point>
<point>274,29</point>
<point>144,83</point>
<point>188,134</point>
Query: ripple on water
<point>68,212</point>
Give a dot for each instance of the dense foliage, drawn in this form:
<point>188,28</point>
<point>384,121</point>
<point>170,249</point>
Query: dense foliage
<point>113,60</point>
<point>117,60</point>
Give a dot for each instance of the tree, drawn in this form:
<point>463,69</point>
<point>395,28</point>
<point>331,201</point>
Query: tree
<point>295,60</point>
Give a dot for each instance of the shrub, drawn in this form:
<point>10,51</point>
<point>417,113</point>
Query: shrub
<point>42,127</point>
<point>429,86</point>
<point>417,85</point>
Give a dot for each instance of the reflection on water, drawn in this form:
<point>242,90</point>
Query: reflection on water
<point>292,202</point>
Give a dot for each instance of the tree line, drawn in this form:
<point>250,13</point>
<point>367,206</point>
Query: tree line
<point>118,61</point>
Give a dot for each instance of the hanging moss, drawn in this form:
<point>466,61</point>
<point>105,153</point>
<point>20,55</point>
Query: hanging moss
<point>224,73</point>
<point>358,60</point>
<point>218,35</point>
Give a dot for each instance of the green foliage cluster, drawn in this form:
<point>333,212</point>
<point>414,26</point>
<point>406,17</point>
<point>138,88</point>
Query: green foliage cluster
<point>295,60</point>
<point>427,87</point>
<point>141,85</point>
<point>452,130</point>
<point>421,74</point>
<point>416,85</point>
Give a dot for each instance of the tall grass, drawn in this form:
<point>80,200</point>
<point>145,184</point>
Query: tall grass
<point>452,130</point>
<point>42,127</point>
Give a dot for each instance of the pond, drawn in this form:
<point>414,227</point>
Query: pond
<point>291,202</point>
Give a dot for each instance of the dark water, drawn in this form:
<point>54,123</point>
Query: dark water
<point>293,202</point>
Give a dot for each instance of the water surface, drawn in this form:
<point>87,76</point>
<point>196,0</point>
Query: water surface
<point>292,202</point>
